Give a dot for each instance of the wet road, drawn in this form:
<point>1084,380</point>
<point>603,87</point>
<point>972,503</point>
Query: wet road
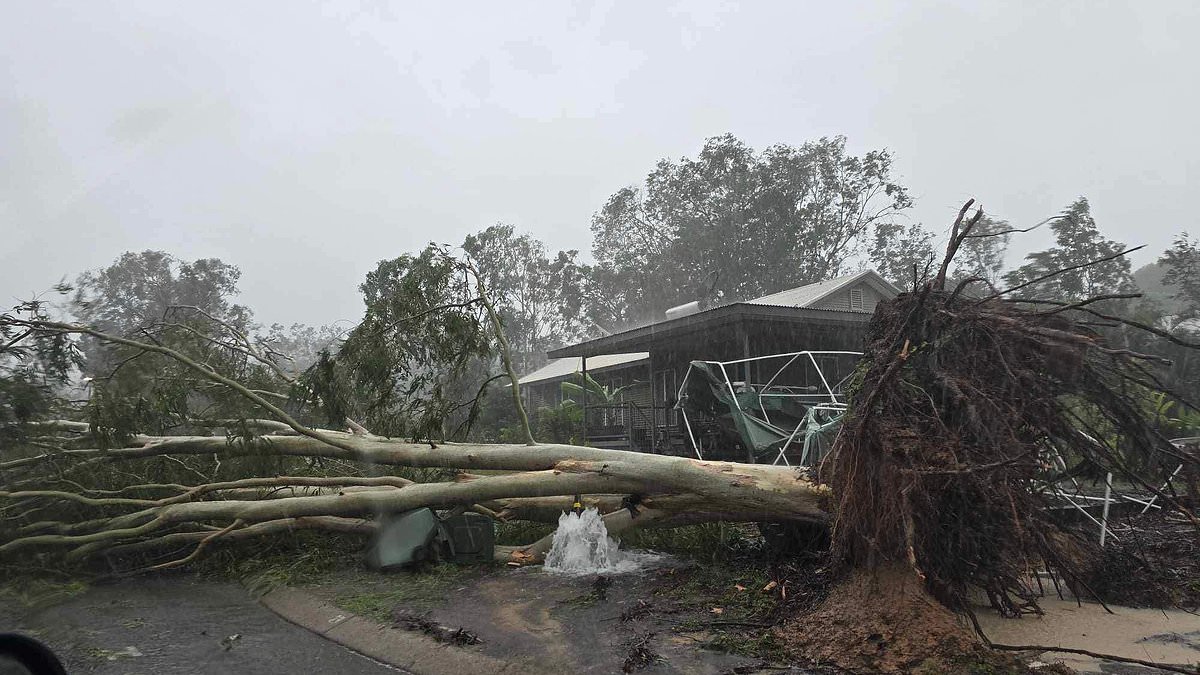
<point>179,625</point>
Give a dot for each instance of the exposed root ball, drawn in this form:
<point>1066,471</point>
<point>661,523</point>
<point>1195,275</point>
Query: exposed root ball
<point>883,621</point>
<point>944,463</point>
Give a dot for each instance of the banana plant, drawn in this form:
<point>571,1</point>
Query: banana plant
<point>1172,415</point>
<point>596,392</point>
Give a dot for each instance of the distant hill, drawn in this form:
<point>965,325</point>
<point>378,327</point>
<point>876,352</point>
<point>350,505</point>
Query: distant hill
<point>1149,279</point>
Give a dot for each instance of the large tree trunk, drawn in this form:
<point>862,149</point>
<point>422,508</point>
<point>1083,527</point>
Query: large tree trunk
<point>671,491</point>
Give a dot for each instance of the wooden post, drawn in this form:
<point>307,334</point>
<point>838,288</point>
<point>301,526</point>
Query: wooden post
<point>745,335</point>
<point>652,432</point>
<point>583,367</point>
<point>1104,515</point>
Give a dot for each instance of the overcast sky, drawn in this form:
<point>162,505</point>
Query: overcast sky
<point>304,142</point>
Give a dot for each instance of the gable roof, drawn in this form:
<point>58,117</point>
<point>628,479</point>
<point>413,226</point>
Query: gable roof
<point>558,368</point>
<point>811,294</point>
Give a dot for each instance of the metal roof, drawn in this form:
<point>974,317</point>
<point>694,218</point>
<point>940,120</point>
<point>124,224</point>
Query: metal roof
<point>794,304</point>
<point>674,329</point>
<point>573,364</point>
<point>807,296</point>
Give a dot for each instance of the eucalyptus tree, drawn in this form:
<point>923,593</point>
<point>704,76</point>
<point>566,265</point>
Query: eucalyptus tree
<point>429,343</point>
<point>141,289</point>
<point>1182,262</point>
<point>982,254</point>
<point>531,290</point>
<point>1077,241</point>
<point>734,223</point>
<point>903,255</point>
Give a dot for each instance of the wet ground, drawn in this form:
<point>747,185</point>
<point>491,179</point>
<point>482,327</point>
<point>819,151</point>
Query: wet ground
<point>1163,636</point>
<point>177,624</point>
<point>671,618</point>
<point>659,620</point>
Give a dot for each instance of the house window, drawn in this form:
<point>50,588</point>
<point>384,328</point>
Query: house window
<point>667,388</point>
<point>856,299</point>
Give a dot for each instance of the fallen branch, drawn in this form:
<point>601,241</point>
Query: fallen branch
<point>1174,668</point>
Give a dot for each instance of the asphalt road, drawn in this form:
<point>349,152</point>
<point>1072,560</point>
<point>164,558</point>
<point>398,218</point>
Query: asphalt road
<point>179,624</point>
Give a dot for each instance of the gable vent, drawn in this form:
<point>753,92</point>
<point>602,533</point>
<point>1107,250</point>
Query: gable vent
<point>856,299</point>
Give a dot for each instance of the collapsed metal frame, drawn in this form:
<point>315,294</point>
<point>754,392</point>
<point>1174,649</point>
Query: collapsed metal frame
<point>835,405</point>
<point>1109,499</point>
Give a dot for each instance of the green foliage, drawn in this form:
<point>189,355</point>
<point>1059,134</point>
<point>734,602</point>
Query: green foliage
<point>1077,241</point>
<point>421,350</point>
<point>35,370</point>
<point>562,423</point>
<point>902,255</point>
<point>595,392</point>
<point>1174,418</point>
<point>982,255</point>
<point>1182,261</point>
<point>530,289</point>
<point>710,543</point>
<point>735,224</point>
<point>23,398</point>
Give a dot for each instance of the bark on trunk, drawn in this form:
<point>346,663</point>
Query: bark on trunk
<point>671,490</point>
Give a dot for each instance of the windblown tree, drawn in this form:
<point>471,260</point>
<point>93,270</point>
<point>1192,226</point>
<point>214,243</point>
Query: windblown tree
<point>300,345</point>
<point>531,291</point>
<point>1182,262</point>
<point>1077,241</point>
<point>903,255</point>
<point>734,223</point>
<point>425,340</point>
<point>34,375</point>
<point>142,289</point>
<point>1182,273</point>
<point>189,307</point>
<point>982,253</point>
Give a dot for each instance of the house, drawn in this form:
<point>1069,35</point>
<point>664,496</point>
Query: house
<point>649,361</point>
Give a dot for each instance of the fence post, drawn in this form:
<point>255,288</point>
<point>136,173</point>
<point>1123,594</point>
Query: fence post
<point>1107,501</point>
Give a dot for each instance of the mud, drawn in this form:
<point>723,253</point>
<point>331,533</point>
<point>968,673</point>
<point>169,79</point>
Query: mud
<point>557,623</point>
<point>1165,636</point>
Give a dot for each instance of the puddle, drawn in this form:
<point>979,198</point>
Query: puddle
<point>1165,636</point>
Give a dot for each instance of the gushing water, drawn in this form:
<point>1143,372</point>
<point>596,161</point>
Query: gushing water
<point>582,546</point>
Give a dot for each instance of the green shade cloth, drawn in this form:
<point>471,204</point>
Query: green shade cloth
<point>711,396</point>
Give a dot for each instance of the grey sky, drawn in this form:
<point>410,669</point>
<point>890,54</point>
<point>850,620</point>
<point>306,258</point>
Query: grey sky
<point>303,142</point>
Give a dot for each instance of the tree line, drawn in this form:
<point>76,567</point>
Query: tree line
<point>730,224</point>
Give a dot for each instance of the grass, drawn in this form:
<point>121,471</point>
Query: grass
<point>706,597</point>
<point>35,591</point>
<point>297,558</point>
<point>375,596</point>
<point>735,589</point>
<point>519,533</point>
<point>710,543</point>
<point>759,644</point>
